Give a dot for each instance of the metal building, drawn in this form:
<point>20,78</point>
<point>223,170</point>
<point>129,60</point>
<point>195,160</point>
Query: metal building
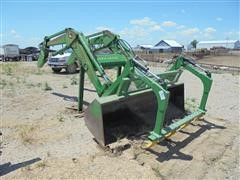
<point>162,46</point>
<point>229,44</point>
<point>167,46</point>
<point>143,47</point>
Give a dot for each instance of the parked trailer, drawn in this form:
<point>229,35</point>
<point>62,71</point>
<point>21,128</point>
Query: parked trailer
<point>1,53</point>
<point>11,52</point>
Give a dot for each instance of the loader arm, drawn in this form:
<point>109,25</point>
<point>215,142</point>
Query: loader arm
<point>82,52</point>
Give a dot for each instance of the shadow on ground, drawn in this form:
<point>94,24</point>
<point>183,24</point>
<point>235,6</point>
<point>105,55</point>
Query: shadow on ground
<point>9,167</point>
<point>63,72</point>
<point>71,98</point>
<point>174,147</point>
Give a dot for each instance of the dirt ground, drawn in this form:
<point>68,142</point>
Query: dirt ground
<point>232,60</point>
<point>42,139</point>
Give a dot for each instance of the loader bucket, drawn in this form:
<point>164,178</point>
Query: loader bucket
<point>112,118</point>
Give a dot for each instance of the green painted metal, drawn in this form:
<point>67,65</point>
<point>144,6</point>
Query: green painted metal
<point>89,51</point>
<point>204,76</point>
<point>110,61</point>
<point>175,126</point>
<point>171,76</point>
<point>81,89</point>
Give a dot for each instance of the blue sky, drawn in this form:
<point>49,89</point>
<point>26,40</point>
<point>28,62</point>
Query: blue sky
<point>139,22</point>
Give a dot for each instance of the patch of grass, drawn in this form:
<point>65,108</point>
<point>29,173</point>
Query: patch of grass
<point>27,168</point>
<point>235,73</point>
<point>11,83</point>
<point>39,84</point>
<point>60,118</point>
<point>29,85</point>
<point>39,71</point>
<point>26,134</point>
<point>74,81</point>
<point>42,164</point>
<point>9,68</point>
<point>191,104</point>
<point>46,87</point>
<point>18,79</point>
<point>3,83</point>
<point>24,80</point>
<point>193,100</point>
<point>48,154</point>
<point>157,172</point>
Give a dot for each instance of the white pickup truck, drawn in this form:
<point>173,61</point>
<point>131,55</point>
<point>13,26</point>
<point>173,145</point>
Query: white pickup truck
<point>59,62</point>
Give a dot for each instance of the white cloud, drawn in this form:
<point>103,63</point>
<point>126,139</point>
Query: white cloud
<point>139,32</point>
<point>169,24</point>
<point>209,30</point>
<point>190,31</point>
<point>135,32</point>
<point>233,34</point>
<point>17,36</point>
<point>156,27</point>
<point>180,27</point>
<point>102,28</point>
<point>144,26</point>
<point>219,19</point>
<point>147,31</point>
<point>13,32</point>
<point>13,37</point>
<point>146,21</point>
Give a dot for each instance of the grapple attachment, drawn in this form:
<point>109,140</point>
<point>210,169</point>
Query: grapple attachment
<point>114,117</point>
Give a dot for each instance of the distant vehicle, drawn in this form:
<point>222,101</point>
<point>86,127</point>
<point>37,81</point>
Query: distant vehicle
<point>59,62</point>
<point>29,53</point>
<point>11,52</point>
<point>1,54</point>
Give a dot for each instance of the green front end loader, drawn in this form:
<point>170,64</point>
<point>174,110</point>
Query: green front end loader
<point>134,101</point>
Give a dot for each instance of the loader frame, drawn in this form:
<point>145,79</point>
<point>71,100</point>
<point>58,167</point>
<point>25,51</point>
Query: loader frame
<point>129,70</point>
